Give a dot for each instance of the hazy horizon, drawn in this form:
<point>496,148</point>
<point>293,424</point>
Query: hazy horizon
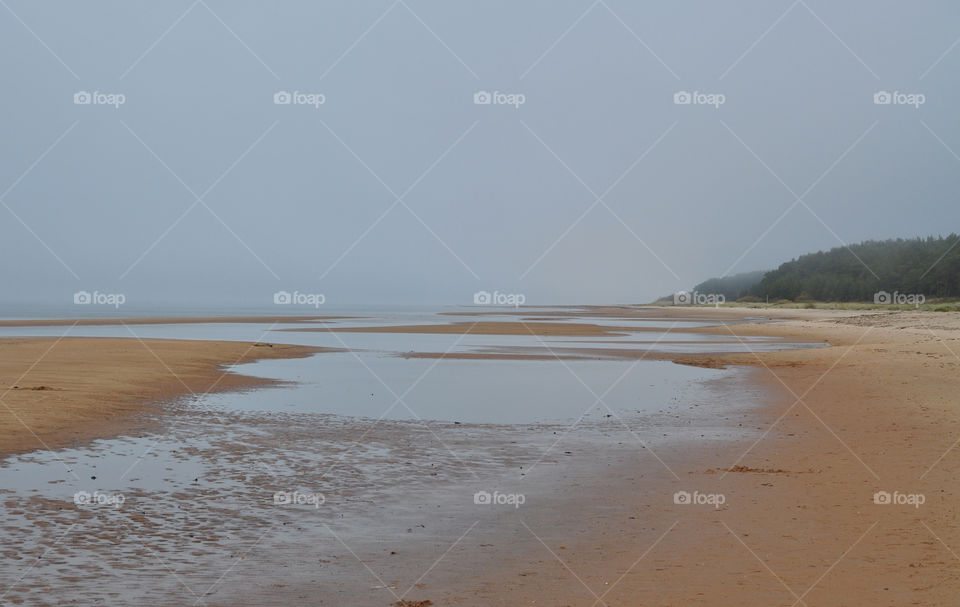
<point>387,180</point>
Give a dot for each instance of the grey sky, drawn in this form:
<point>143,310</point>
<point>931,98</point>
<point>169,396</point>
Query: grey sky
<point>506,183</point>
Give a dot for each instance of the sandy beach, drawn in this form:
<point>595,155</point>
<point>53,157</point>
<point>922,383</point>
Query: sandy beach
<point>876,411</point>
<point>60,392</point>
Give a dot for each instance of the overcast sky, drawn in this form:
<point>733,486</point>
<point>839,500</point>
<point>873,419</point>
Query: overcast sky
<point>399,188</point>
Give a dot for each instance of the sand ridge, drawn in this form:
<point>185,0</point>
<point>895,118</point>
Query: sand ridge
<point>57,392</point>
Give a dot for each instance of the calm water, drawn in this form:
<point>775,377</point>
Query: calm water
<point>374,380</point>
<point>371,430</point>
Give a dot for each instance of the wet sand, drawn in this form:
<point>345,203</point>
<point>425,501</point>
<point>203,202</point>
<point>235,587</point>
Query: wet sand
<point>878,410</point>
<point>59,392</point>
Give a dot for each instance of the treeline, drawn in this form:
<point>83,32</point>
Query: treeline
<point>732,287</point>
<point>928,266</point>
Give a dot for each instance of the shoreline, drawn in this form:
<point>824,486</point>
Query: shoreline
<point>62,392</point>
<point>878,411</point>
